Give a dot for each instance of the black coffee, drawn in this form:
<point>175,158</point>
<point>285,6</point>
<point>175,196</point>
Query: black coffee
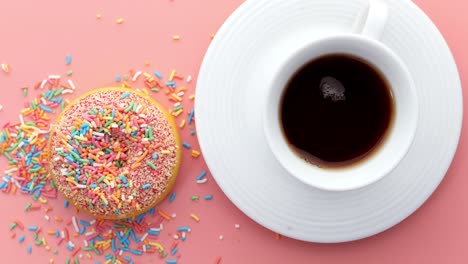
<point>336,110</point>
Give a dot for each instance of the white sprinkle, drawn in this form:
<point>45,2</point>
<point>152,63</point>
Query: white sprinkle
<point>90,233</point>
<point>123,197</point>
<point>98,134</point>
<point>68,91</point>
<point>120,252</point>
<point>130,197</point>
<point>237,226</point>
<point>112,183</point>
<point>109,164</point>
<point>144,248</point>
<point>145,140</point>
<point>62,234</point>
<point>1,107</point>
<point>97,164</point>
<point>142,116</point>
<point>46,217</point>
<point>43,101</point>
<point>110,231</point>
<point>21,144</point>
<point>221,237</point>
<point>85,243</point>
<point>59,149</point>
<point>54,77</point>
<point>123,105</point>
<point>144,125</point>
<point>81,186</point>
<point>189,78</point>
<point>176,237</point>
<point>177,104</point>
<point>173,215</point>
<point>13,135</point>
<point>80,256</point>
<point>202,180</point>
<point>45,131</point>
<point>17,183</point>
<point>75,224</point>
<point>161,226</point>
<point>138,108</point>
<point>180,94</point>
<point>5,179</point>
<point>92,222</point>
<point>43,84</point>
<point>72,85</point>
<point>144,237</point>
<point>114,125</point>
<point>135,77</point>
<point>184,235</point>
<point>121,233</point>
<point>11,170</point>
<point>70,243</point>
<point>21,119</point>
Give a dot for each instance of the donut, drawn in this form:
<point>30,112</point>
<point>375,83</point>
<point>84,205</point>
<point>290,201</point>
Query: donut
<point>114,153</point>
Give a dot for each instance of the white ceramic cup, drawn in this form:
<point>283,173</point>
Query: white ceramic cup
<point>363,43</point>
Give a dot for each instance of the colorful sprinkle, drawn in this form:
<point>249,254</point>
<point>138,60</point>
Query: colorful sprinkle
<point>172,198</point>
<point>209,197</point>
<point>68,59</point>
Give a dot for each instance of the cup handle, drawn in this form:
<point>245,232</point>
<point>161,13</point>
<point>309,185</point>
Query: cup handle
<point>372,19</point>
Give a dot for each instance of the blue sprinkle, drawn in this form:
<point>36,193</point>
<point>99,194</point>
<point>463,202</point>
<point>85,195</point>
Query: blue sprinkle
<point>171,261</point>
<point>68,59</point>
<point>125,95</point>
<point>190,118</point>
<point>155,156</point>
<point>66,203</point>
<point>128,259</point>
<point>153,232</point>
<point>45,108</point>
<point>183,228</point>
<point>116,211</point>
<point>85,223</point>
<point>140,218</point>
<point>192,132</point>
<point>201,176</point>
<point>174,251</point>
<point>136,252</point>
<point>126,249</point>
<point>152,210</point>
<point>93,185</point>
<point>159,75</point>
<point>57,233</point>
<point>108,256</point>
<point>170,84</point>
<point>186,145</point>
<point>114,249</point>
<point>29,249</point>
<point>21,239</point>
<point>82,230</point>
<point>146,186</point>
<point>70,247</point>
<point>172,198</point>
<point>32,228</point>
<point>118,78</point>
<point>209,197</point>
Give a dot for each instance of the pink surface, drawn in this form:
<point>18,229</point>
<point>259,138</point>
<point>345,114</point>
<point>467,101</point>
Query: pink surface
<point>36,36</point>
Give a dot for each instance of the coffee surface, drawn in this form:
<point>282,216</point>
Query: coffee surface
<point>336,110</point>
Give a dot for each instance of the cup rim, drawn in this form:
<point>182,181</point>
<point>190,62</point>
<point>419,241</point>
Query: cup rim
<point>267,114</point>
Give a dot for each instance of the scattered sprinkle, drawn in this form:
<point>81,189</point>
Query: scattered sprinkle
<point>68,59</point>
<point>195,217</point>
<point>221,237</point>
<point>176,37</point>
<point>98,16</point>
<point>120,21</point>
<point>172,198</point>
<point>208,197</point>
<point>5,67</point>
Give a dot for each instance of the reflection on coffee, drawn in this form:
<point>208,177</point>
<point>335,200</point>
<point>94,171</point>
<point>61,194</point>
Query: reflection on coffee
<point>336,110</point>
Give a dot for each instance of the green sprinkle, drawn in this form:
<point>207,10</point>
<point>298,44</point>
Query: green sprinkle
<point>177,108</point>
<point>35,236</point>
<point>101,179</point>
<point>59,92</point>
<point>8,156</point>
<point>52,184</point>
<point>151,164</point>
<point>33,105</point>
<point>195,198</point>
<point>130,106</point>
<point>68,261</point>
<point>13,225</point>
<point>25,91</point>
<point>77,261</point>
<point>38,242</point>
<point>27,207</point>
<point>55,252</point>
<point>155,89</point>
<point>125,76</point>
<point>69,73</point>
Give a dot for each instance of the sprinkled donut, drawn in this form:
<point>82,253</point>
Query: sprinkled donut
<point>114,153</point>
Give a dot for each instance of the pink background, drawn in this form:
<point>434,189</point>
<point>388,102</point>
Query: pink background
<point>35,36</point>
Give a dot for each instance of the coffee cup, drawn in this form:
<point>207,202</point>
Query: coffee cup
<point>363,44</point>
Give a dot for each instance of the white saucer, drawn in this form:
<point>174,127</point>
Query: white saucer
<point>228,105</point>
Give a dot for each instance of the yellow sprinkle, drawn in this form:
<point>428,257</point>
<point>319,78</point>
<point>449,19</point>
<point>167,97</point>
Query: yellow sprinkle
<point>178,112</point>
<point>147,63</point>
<point>195,153</point>
<point>47,248</point>
<point>51,261</point>
<point>176,37</point>
<point>104,200</point>
<point>154,244</point>
<point>88,255</point>
<point>120,21</point>
<point>212,36</point>
<point>191,97</point>
<point>171,77</point>
<point>164,151</point>
<point>80,138</point>
<point>108,261</point>
<point>43,200</point>
<point>98,16</point>
<point>5,67</point>
<point>195,217</point>
<point>182,123</point>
